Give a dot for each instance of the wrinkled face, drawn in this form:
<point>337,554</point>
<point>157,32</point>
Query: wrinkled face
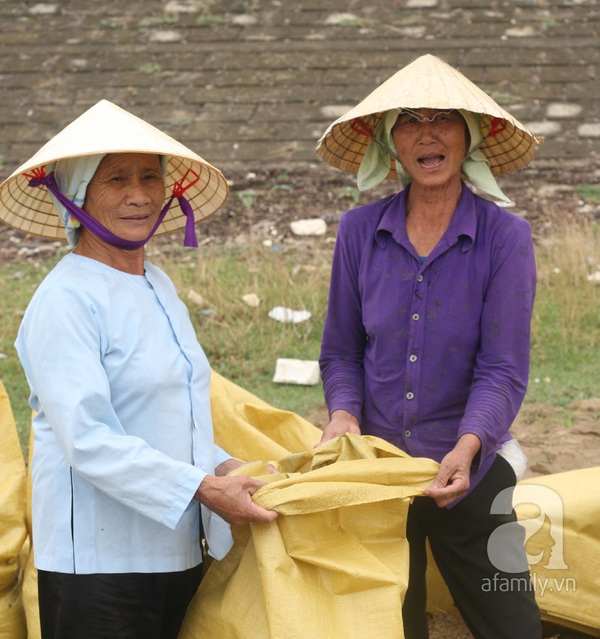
<point>431,145</point>
<point>126,194</point>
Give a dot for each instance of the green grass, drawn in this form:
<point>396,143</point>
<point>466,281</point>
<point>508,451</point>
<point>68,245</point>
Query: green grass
<point>589,192</point>
<point>17,284</point>
<point>566,320</point>
<point>242,342</point>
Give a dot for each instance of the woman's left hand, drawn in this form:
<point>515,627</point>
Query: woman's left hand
<point>453,478</point>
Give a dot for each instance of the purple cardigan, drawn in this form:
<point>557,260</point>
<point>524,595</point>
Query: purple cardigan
<point>422,353</point>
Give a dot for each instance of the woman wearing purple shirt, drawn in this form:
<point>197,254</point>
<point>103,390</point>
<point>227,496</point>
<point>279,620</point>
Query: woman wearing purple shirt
<point>426,339</point>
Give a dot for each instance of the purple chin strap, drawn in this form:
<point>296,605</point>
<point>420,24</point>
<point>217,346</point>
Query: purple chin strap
<point>39,178</point>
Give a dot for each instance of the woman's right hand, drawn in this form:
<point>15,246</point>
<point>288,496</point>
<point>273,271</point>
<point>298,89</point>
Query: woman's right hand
<point>231,498</point>
<point>340,423</point>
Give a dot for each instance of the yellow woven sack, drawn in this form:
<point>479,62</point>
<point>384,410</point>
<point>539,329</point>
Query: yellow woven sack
<point>567,596</point>
<point>335,563</point>
<point>13,532</point>
<point>561,515</point>
<point>30,587</point>
<point>253,591</point>
<point>249,428</point>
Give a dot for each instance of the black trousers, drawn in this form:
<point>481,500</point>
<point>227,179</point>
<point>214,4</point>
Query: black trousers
<point>494,604</point>
<point>115,606</point>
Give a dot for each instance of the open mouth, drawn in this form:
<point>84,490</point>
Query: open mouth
<point>431,162</point>
<point>135,218</point>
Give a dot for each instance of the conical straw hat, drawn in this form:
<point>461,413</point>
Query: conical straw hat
<point>428,82</point>
<point>106,128</point>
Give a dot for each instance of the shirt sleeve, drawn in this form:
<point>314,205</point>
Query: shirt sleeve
<point>344,337</point>
<point>61,326</point>
<point>502,363</point>
<point>221,455</point>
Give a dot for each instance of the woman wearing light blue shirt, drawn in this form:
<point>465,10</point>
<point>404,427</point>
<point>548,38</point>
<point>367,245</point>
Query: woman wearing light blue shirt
<point>125,471</point>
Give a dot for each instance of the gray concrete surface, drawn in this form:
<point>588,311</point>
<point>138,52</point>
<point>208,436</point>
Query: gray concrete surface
<point>253,84</point>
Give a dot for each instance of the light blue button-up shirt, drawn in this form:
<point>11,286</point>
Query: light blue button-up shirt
<point>123,427</point>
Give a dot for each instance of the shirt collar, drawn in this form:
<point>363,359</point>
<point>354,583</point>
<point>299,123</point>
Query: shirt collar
<point>463,223</point>
<point>393,220</point>
<point>464,220</point>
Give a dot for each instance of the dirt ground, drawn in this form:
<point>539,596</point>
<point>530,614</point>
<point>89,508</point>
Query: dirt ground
<point>263,203</point>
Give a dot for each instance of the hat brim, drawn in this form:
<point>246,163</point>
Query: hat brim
<point>429,82</point>
<point>30,209</point>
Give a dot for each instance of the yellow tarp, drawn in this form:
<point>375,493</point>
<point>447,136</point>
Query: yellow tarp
<point>249,428</point>
<point>333,565</point>
<point>336,557</point>
<point>563,528</point>
<point>13,531</point>
<point>30,593</point>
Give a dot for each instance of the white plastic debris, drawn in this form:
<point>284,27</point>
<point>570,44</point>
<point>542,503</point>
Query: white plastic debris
<point>296,371</point>
<point>340,18</point>
<point>594,277</point>
<point>251,299</point>
<point>283,314</point>
<point>244,20</point>
<point>166,36</point>
<point>314,226</point>
<point>196,298</point>
<point>43,9</point>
